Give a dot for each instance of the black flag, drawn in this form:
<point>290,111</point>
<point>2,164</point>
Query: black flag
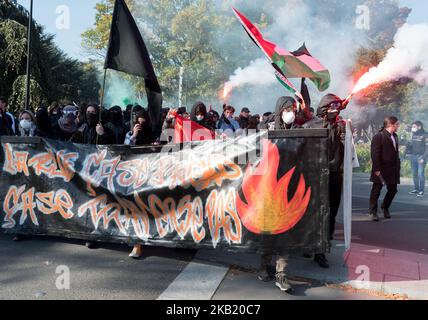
<point>305,93</point>
<point>127,52</point>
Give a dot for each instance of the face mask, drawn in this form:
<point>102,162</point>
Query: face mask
<point>414,130</point>
<point>200,118</point>
<point>332,116</point>
<point>92,119</point>
<point>26,124</point>
<point>288,117</point>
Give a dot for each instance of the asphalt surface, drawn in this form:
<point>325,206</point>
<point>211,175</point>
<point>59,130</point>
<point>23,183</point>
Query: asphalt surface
<point>28,269</point>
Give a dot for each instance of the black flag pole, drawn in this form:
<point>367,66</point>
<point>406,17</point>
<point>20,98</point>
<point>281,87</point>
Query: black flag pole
<point>103,88</point>
<point>27,88</point>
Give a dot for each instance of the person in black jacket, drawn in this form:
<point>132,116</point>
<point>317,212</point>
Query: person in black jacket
<point>417,149</point>
<point>328,117</point>
<point>386,167</point>
<point>6,120</point>
<point>200,115</point>
<point>92,131</point>
<point>67,125</point>
<point>117,125</point>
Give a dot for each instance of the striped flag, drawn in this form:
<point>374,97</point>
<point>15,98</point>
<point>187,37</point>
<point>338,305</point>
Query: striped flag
<point>297,64</point>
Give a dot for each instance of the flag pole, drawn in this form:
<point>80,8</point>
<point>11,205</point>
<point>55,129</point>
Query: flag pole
<point>102,99</point>
<point>27,89</point>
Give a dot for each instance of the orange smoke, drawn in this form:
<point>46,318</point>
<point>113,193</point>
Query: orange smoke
<point>227,91</point>
<point>268,210</point>
<point>373,76</point>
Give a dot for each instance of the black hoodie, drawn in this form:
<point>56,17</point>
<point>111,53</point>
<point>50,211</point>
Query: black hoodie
<point>199,107</point>
<point>336,132</point>
<point>282,104</point>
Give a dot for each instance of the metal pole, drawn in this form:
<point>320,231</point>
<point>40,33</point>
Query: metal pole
<point>27,91</point>
<point>102,100</point>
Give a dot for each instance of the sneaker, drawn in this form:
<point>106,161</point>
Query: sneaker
<point>266,274</point>
<point>414,192</point>
<point>374,217</point>
<point>283,284</point>
<point>136,252</point>
<point>420,194</point>
<point>321,260</point>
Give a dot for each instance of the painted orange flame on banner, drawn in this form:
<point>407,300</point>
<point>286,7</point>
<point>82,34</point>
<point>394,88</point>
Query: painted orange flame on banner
<point>268,209</point>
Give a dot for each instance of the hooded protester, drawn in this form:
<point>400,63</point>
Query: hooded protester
<point>284,120</point>
<point>27,124</point>
<point>92,131</point>
<point>43,123</point>
<point>142,133</point>
<point>117,125</point>
<point>54,113</point>
<point>66,126</point>
<point>285,113</point>
<point>328,117</point>
<point>132,114</point>
<point>200,115</point>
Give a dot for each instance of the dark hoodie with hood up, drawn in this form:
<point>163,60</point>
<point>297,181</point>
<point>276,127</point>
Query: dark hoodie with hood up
<point>282,104</point>
<point>337,131</point>
<point>199,107</point>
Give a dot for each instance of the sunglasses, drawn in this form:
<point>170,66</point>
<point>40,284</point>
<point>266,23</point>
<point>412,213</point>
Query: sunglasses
<point>335,105</point>
<point>75,113</point>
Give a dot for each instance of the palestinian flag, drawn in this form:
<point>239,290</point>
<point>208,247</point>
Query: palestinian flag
<point>297,64</point>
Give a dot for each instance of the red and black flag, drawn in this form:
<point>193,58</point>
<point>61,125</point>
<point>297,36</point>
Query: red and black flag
<point>128,53</point>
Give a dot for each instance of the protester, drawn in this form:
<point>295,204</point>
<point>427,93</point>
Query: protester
<point>267,118</point>
<point>43,123</point>
<point>284,119</point>
<point>54,113</point>
<point>6,120</point>
<point>142,132</point>
<point>244,118</point>
<point>386,167</point>
<point>227,125</point>
<point>127,114</point>
<point>253,124</point>
<point>200,115</point>
<point>67,125</point>
<point>117,125</point>
<point>417,149</point>
<point>132,118</point>
<point>328,117</point>
<point>285,113</point>
<point>215,117</point>
<point>27,124</point>
<point>92,131</point>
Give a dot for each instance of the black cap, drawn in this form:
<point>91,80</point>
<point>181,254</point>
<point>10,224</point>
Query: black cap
<point>246,110</point>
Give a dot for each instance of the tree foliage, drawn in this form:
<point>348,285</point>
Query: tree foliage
<point>54,76</point>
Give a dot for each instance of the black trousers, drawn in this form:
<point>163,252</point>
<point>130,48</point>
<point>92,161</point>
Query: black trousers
<point>375,194</point>
<point>336,183</point>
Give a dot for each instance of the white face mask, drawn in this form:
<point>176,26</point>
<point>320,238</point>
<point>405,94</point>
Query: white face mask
<point>288,117</point>
<point>414,129</point>
<point>200,118</point>
<point>26,124</point>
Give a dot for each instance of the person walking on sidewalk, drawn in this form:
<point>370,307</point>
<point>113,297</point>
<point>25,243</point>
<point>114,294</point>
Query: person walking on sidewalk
<point>386,167</point>
<point>417,149</point>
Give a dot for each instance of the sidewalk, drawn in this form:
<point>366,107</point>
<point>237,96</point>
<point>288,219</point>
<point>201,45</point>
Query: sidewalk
<point>370,269</point>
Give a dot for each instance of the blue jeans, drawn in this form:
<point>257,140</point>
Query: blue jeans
<point>418,170</point>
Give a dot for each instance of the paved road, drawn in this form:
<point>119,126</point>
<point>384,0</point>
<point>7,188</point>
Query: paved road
<point>28,268</point>
<point>408,228</point>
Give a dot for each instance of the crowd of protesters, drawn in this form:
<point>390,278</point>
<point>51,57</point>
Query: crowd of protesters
<point>90,124</point>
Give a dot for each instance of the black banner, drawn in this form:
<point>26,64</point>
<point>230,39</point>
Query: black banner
<point>247,194</point>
